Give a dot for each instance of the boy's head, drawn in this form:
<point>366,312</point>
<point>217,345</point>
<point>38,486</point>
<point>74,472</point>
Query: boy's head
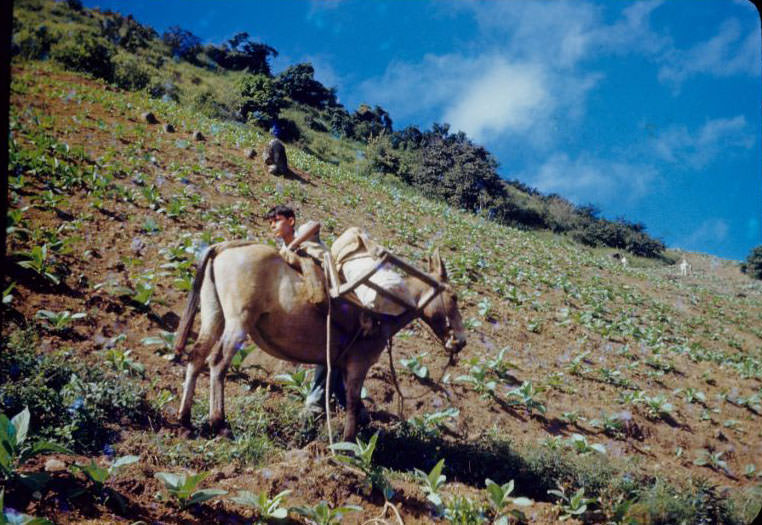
<point>282,222</point>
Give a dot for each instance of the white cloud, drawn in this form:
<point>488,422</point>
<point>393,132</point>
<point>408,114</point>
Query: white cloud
<point>588,179</point>
<point>712,230</point>
<point>729,52</point>
<point>563,33</point>
<point>522,75</point>
<point>699,148</point>
<point>505,97</point>
<point>486,96</point>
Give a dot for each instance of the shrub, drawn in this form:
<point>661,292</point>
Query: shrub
<point>129,72</point>
<point>85,53</point>
<point>753,264</point>
<point>32,44</point>
<point>370,122</point>
<point>68,399</point>
<point>208,103</point>
<point>261,101</point>
<point>164,88</point>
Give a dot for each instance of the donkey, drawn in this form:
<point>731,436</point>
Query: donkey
<point>249,290</point>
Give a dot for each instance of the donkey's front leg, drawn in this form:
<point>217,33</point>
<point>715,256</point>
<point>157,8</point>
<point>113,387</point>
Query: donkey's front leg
<point>354,377</point>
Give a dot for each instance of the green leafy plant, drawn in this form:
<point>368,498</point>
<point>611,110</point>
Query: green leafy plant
<point>162,399</point>
<point>14,451</point>
<point>712,460</point>
<point>484,307</point>
<point>572,417</point>
<point>59,321</point>
<point>240,356</point>
<point>415,366</point>
<point>15,223</point>
<point>525,395</point>
<point>499,365</point>
<point>165,342</point>
<point>571,506</point>
<point>576,365</point>
<point>691,395</point>
<point>267,508</point>
<point>657,406</point>
<point>362,459</point>
<point>298,382</point>
<point>99,476</point>
<point>432,423</point>
<point>432,482</point>
<point>612,425</point>
<point>323,514</point>
<point>182,487</point>
<point>121,361</point>
<point>37,261</point>
<point>478,378</point>
<point>461,510</point>
<point>499,496</point>
<point>579,444</point>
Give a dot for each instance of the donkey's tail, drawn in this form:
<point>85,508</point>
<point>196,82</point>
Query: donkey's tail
<point>186,321</point>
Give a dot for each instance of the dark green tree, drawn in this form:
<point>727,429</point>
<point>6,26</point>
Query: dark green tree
<point>182,43</point>
<point>753,264</point>
<point>455,169</point>
<point>241,54</point>
<point>298,83</point>
<point>261,100</point>
<point>370,122</point>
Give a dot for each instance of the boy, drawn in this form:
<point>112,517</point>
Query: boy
<point>283,226</point>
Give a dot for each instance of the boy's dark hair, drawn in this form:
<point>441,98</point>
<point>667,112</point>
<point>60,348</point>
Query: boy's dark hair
<point>285,211</point>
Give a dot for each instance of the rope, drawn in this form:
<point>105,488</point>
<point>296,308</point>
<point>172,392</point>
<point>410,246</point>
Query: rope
<point>328,378</point>
<point>380,517</point>
<point>401,399</point>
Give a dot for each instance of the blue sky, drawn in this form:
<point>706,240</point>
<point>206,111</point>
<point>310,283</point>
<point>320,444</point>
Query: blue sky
<point>650,110</point>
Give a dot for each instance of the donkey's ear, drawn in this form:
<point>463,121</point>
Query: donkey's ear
<point>436,266</point>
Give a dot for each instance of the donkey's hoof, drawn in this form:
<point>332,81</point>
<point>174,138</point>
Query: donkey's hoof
<point>225,432</point>
<point>363,416</point>
<point>221,429</point>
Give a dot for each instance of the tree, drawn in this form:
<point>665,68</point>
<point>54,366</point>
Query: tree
<point>369,122</point>
<point>298,83</point>
<point>240,54</point>
<point>182,43</point>
<point>753,264</point>
<point>261,101</point>
<point>455,169</point>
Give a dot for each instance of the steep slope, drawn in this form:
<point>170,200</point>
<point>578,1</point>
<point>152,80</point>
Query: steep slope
<point>563,340</point>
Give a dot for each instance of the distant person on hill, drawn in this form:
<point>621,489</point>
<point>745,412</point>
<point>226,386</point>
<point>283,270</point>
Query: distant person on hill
<point>309,257</point>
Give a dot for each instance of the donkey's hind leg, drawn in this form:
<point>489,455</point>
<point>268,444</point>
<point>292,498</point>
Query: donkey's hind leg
<point>233,339</point>
<point>212,324</point>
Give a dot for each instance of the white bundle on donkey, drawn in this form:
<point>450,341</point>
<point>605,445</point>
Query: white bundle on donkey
<point>353,253</point>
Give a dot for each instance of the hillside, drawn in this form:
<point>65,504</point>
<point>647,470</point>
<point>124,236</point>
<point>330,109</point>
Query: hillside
<point>233,81</point>
<point>663,372</point>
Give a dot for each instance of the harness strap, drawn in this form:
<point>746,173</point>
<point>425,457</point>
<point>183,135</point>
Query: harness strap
<point>401,398</point>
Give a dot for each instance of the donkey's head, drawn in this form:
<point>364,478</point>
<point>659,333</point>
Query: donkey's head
<point>442,314</point>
